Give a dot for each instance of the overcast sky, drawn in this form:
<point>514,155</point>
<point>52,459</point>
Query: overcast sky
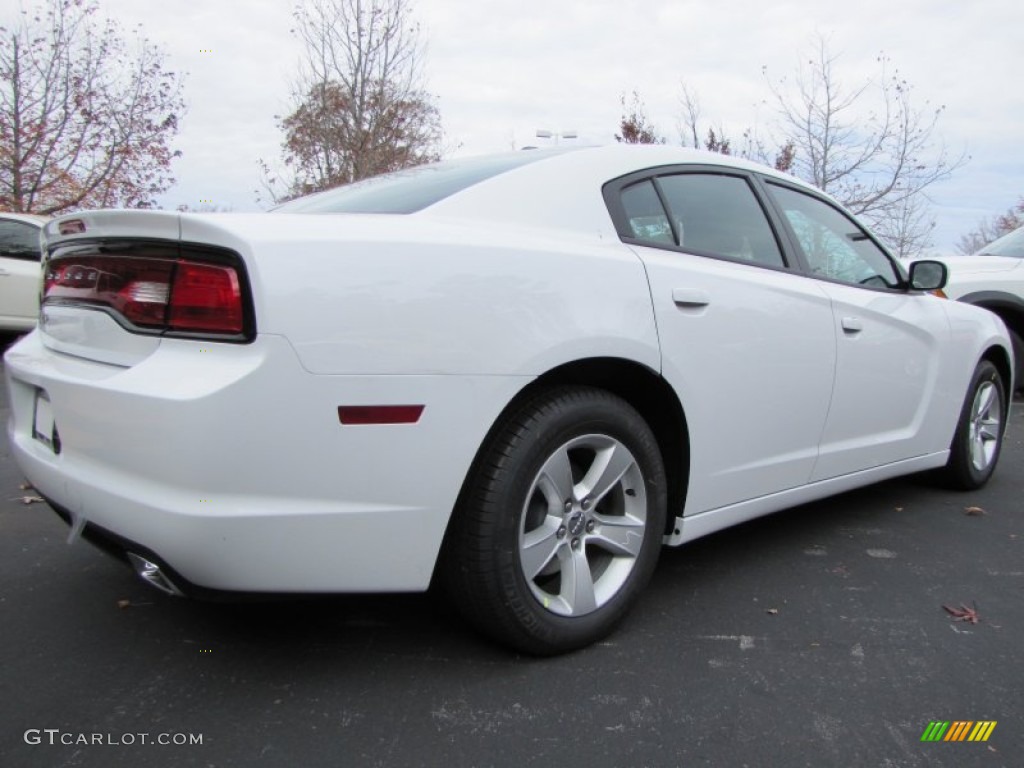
<point>501,69</point>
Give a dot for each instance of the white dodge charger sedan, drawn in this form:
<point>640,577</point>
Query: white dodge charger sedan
<point>516,376</point>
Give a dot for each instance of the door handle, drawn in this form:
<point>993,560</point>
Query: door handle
<point>690,297</point>
<point>852,325</point>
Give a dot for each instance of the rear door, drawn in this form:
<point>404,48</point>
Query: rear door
<point>889,341</point>
<point>19,274</point>
<point>747,343</point>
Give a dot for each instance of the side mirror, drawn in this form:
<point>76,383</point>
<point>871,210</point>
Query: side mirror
<point>928,275</point>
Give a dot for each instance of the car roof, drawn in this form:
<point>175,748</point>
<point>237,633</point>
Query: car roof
<point>563,189</point>
<point>28,218</point>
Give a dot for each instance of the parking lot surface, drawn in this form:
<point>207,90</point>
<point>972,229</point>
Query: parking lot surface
<point>813,637</point>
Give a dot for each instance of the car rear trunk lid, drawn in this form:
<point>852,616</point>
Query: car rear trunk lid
<point>115,283</point>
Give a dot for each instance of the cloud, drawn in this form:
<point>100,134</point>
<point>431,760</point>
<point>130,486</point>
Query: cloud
<point>501,69</point>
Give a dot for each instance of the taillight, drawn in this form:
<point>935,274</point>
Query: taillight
<point>166,295</point>
<point>206,298</point>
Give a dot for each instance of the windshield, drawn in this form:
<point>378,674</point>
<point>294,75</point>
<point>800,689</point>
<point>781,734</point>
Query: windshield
<point>1011,245</point>
<point>412,189</point>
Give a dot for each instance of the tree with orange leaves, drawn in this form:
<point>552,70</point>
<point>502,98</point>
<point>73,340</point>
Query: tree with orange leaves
<point>86,118</point>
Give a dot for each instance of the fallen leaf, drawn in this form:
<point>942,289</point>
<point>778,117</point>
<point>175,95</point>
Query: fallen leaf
<point>974,511</point>
<point>25,487</point>
<point>122,604</point>
<point>772,611</point>
<point>31,499</point>
<point>899,509</point>
<point>963,613</point>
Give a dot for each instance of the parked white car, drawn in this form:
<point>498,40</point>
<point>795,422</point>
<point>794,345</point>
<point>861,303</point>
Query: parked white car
<point>516,375</point>
<point>993,278</point>
<point>19,271</point>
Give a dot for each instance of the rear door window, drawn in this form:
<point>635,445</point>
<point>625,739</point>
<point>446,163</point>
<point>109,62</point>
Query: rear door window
<point>709,214</point>
<point>719,215</point>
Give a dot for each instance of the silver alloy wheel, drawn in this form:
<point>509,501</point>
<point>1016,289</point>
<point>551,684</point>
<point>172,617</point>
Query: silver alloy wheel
<point>985,426</point>
<point>582,525</point>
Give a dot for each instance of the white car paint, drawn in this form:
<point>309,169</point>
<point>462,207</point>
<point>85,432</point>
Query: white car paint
<point>977,274</point>
<point>228,460</point>
<point>748,321</point>
<point>993,278</point>
<point>887,404</point>
<point>19,280</point>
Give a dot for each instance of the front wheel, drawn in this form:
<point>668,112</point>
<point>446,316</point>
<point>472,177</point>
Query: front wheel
<point>1018,354</point>
<point>561,524</point>
<point>979,433</point>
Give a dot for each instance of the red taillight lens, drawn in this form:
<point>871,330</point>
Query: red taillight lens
<point>206,297</point>
<point>135,288</point>
<point>152,293</point>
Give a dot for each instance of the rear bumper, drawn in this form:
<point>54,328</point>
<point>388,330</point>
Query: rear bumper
<point>122,549</point>
<point>228,464</point>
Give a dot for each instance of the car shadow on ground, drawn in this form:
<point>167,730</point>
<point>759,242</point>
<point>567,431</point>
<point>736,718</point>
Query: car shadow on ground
<point>726,564</point>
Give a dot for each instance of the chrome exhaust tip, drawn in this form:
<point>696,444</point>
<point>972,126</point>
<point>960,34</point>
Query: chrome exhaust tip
<point>150,572</point>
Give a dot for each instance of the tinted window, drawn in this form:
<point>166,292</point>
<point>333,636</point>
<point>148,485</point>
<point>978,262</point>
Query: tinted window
<point>720,215</point>
<point>19,240</point>
<point>1011,245</point>
<point>832,243</point>
<point>413,189</point>
<point>645,214</point>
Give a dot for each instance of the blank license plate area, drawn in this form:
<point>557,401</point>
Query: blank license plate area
<point>42,419</point>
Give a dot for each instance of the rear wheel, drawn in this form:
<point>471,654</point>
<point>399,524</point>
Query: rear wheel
<point>562,523</point>
<point>979,433</point>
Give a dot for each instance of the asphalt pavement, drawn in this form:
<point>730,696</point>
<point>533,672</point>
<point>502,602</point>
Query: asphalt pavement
<point>813,637</point>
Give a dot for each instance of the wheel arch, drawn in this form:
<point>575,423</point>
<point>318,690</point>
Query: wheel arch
<point>1001,360</point>
<point>644,389</point>
<point>1010,309</point>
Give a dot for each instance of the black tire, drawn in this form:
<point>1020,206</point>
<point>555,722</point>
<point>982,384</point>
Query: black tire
<point>978,440</point>
<point>1018,354</point>
<point>516,545</point>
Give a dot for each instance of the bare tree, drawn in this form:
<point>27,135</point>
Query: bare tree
<point>689,121</point>
<point>909,226</point>
<point>634,127</point>
<point>85,118</point>
<point>689,126</point>
<point>359,106</point>
<point>752,146</point>
<point>991,229</point>
<point>870,147</point>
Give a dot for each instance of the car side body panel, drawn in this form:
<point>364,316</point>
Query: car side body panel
<point>893,352</point>
<point>19,294</point>
<point>751,353</point>
<point>19,270</point>
<point>186,454</point>
<point>425,295</point>
<point>230,462</point>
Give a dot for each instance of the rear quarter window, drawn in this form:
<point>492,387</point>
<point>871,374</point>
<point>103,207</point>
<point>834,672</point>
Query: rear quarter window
<point>412,189</point>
